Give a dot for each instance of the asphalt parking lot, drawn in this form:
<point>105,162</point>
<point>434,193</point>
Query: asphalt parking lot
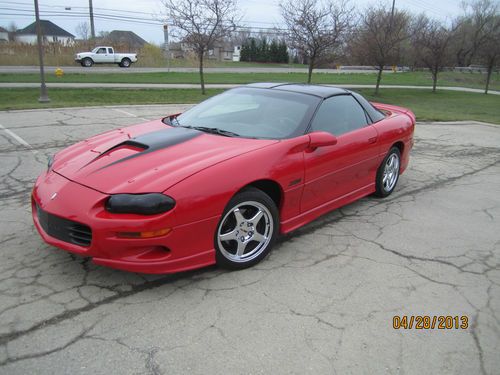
<point>322,302</point>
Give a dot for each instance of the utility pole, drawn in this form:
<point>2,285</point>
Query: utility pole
<point>44,97</point>
<point>167,47</point>
<point>392,10</point>
<point>92,29</point>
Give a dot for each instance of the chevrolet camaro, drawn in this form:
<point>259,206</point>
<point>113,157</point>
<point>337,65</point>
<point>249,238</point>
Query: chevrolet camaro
<point>219,182</point>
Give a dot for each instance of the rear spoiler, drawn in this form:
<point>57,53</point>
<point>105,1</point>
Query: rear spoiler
<point>395,109</point>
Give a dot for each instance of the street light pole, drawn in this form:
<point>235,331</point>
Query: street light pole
<point>44,97</point>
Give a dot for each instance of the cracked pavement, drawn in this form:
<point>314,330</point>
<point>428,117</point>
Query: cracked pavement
<point>322,302</point>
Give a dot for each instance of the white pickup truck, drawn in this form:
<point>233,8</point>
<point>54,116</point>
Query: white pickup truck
<point>105,55</point>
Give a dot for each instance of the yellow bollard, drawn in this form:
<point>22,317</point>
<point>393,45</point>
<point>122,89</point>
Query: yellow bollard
<point>59,72</point>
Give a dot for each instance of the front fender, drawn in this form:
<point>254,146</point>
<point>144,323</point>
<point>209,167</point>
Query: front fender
<point>206,193</point>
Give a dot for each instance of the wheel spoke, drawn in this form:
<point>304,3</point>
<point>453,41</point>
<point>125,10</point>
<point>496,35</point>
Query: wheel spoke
<point>242,245</point>
<point>239,217</point>
<point>256,218</point>
<point>233,235</point>
<point>259,237</point>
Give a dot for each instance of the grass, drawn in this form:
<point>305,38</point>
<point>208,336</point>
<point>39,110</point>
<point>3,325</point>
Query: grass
<point>472,80</point>
<point>28,98</point>
<point>441,106</point>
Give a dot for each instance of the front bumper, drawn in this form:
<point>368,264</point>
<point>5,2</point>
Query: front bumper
<point>187,246</point>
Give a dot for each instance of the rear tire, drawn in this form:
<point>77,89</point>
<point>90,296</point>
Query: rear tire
<point>247,230</point>
<point>388,173</point>
<point>125,63</point>
<point>87,62</point>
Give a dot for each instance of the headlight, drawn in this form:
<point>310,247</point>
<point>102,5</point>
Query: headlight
<point>142,204</point>
<point>50,162</point>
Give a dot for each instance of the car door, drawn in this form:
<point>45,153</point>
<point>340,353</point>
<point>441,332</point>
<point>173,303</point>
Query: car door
<point>335,172</point>
<point>102,56</point>
<point>111,55</point>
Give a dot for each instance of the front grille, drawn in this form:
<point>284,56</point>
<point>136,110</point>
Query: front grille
<point>64,229</point>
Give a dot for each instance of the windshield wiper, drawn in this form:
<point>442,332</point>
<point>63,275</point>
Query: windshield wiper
<point>218,131</point>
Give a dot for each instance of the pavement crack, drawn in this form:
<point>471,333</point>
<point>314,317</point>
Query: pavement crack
<point>5,338</point>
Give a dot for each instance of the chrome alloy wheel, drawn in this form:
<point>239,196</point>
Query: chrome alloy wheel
<point>245,231</point>
<point>391,172</point>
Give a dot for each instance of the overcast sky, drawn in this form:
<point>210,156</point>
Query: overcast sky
<point>257,13</point>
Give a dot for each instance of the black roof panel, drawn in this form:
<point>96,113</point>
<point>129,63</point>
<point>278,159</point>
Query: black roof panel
<point>316,90</point>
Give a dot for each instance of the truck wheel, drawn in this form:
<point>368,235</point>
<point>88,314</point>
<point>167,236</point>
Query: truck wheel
<point>125,63</point>
<point>87,62</point>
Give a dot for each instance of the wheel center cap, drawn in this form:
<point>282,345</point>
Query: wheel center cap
<point>246,229</point>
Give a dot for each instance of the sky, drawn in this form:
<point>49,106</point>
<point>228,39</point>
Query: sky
<point>141,16</point>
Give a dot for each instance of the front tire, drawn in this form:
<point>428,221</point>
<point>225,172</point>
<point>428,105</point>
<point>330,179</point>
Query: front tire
<point>247,230</point>
<point>388,173</point>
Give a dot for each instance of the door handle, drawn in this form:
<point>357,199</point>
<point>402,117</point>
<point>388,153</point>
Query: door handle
<point>372,139</point>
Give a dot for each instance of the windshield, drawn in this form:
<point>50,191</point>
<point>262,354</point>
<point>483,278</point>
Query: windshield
<point>253,113</point>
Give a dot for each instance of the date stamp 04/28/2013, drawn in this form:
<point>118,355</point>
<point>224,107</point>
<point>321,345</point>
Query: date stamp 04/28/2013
<point>430,322</point>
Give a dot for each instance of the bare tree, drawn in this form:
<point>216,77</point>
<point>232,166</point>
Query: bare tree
<point>103,34</point>
<point>83,30</point>
<point>379,38</point>
<point>201,23</point>
<point>316,27</point>
<point>472,29</point>
<point>431,41</point>
<point>489,51</point>
<point>12,27</point>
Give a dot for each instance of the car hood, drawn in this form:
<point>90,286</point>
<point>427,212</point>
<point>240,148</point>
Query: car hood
<point>147,158</point>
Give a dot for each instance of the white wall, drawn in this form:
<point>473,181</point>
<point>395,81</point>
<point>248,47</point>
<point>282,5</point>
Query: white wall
<point>4,36</point>
<point>31,39</point>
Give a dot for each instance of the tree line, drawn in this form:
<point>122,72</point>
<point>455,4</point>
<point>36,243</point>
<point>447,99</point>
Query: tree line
<point>320,30</point>
<point>260,50</point>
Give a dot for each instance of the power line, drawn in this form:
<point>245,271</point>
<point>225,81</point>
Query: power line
<point>56,13</point>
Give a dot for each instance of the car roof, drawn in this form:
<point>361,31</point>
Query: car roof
<point>316,90</point>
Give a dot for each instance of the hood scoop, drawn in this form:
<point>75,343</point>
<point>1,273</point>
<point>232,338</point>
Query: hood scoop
<point>144,144</point>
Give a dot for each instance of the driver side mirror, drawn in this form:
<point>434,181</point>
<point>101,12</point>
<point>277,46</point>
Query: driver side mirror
<point>321,139</point>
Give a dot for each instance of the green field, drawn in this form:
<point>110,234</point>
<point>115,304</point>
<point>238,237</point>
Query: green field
<point>28,98</point>
<point>441,106</point>
<point>472,80</point>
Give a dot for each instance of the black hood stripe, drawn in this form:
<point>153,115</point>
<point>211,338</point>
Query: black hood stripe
<point>154,141</point>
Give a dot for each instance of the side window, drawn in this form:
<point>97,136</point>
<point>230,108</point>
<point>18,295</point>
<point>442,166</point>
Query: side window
<point>338,115</point>
<point>110,50</point>
<point>101,50</point>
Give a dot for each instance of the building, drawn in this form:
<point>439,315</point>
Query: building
<point>225,51</point>
<point>125,39</point>
<point>51,33</point>
<point>4,35</point>
<point>221,52</point>
<point>237,54</point>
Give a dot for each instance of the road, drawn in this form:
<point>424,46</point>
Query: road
<point>219,86</point>
<point>115,69</point>
<point>323,302</point>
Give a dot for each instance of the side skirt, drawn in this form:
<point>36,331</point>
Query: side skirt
<point>308,216</point>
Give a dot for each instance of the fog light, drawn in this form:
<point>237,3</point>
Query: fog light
<point>150,234</point>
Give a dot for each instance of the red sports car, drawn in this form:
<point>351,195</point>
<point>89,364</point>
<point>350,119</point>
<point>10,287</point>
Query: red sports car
<point>219,183</point>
